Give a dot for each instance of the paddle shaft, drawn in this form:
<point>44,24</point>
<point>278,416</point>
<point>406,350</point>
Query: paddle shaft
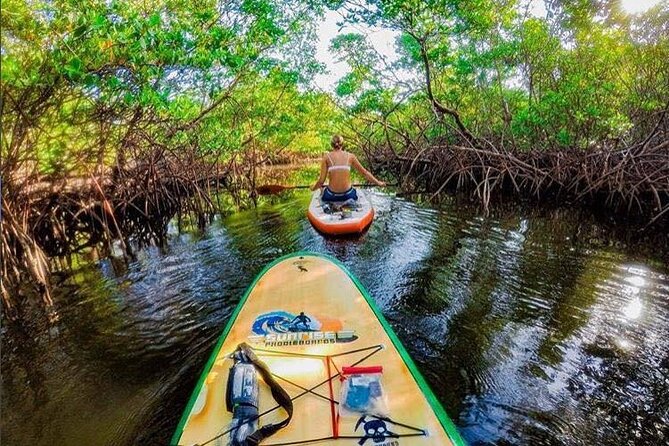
<point>306,186</point>
<point>269,189</point>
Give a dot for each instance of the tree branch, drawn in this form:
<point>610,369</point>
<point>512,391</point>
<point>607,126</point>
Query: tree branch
<point>439,108</point>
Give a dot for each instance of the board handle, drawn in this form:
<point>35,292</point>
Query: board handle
<point>361,370</point>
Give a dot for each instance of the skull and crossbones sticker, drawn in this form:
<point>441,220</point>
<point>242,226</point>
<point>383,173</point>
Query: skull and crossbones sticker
<point>374,429</point>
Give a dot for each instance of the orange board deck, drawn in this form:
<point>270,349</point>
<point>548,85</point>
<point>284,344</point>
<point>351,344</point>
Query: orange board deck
<point>338,223</point>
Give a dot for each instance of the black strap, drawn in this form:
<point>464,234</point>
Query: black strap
<point>278,393</point>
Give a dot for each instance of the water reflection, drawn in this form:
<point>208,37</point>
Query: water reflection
<point>529,327</point>
<point>633,309</point>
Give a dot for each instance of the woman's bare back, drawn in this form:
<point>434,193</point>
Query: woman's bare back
<point>339,170</point>
<point>336,167</point>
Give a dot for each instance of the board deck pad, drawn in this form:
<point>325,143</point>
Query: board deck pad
<point>337,223</point>
<point>306,317</point>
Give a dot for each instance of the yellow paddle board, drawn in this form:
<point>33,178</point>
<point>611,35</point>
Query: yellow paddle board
<point>307,318</point>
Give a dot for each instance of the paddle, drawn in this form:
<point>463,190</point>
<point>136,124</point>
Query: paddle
<point>272,189</point>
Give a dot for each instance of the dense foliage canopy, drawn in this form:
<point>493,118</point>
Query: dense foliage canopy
<point>84,82</point>
<point>581,74</point>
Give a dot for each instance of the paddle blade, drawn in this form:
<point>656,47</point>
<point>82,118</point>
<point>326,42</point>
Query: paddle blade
<point>270,189</point>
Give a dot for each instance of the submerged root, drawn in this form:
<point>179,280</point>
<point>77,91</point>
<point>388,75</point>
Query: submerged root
<point>633,182</point>
<point>21,255</point>
<point>132,203</point>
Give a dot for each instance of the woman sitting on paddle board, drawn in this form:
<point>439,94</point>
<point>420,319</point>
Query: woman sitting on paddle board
<point>337,166</point>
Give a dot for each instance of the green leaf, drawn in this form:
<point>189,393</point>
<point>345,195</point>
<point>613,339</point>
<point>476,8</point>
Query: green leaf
<point>154,20</point>
<point>73,69</point>
<point>99,22</point>
<point>10,69</point>
<point>79,31</point>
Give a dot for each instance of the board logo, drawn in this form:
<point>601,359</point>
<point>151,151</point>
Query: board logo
<point>376,430</point>
<point>279,327</point>
<point>284,322</point>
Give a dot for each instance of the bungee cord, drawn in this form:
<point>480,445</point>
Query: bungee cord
<point>312,390</point>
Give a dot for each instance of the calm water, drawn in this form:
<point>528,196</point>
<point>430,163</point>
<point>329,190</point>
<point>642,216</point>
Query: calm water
<point>532,329</point>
